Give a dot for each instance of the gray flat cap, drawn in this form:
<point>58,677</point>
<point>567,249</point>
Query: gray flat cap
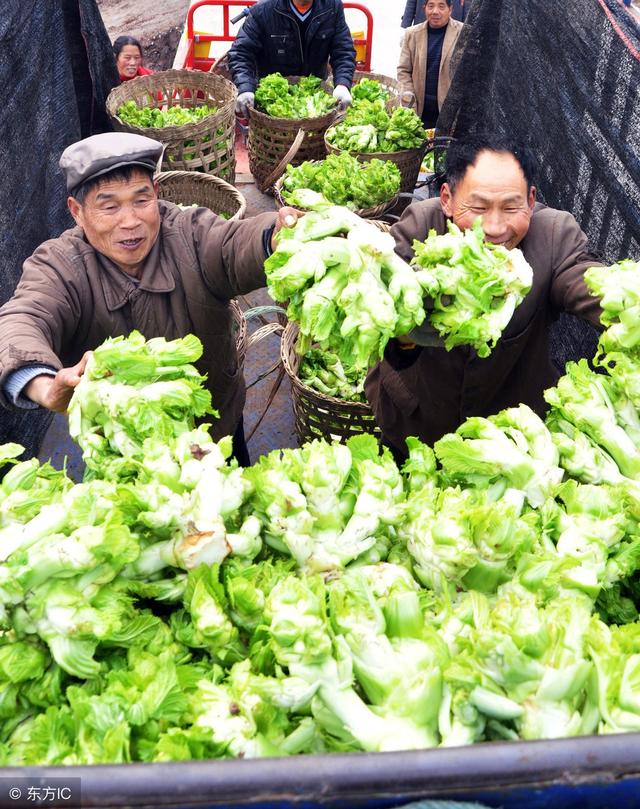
<point>99,154</point>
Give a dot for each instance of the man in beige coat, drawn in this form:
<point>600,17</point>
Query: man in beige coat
<point>132,262</point>
<point>424,68</point>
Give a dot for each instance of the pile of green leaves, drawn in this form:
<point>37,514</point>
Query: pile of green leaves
<point>323,371</point>
<point>368,90</point>
<point>342,180</point>
<point>474,286</point>
<point>368,127</point>
<point>131,113</point>
<point>323,600</point>
<point>275,96</point>
<point>348,295</point>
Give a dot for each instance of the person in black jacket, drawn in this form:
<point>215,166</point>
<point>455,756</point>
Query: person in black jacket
<point>414,12</point>
<point>296,38</point>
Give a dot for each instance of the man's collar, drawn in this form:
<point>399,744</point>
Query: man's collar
<point>117,286</point>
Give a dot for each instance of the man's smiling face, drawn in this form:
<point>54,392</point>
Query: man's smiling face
<point>494,188</point>
<point>120,219</point>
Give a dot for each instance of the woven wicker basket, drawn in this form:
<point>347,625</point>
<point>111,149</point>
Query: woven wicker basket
<point>392,86</point>
<point>208,145</point>
<point>273,143</point>
<point>317,415</point>
<point>239,328</point>
<point>205,190</point>
<point>408,162</point>
<point>365,213</point>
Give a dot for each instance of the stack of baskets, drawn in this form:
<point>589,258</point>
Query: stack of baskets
<point>204,190</point>
<point>317,415</point>
<point>273,143</point>
<point>366,213</point>
<point>408,161</point>
<point>205,146</point>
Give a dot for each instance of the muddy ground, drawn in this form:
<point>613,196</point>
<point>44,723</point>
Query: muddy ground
<point>158,26</point>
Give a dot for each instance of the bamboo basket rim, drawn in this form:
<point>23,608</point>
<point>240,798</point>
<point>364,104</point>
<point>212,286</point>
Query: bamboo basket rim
<point>188,79</point>
<point>239,320</point>
<point>196,177</point>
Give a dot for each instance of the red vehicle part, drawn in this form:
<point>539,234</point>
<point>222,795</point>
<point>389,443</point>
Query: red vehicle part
<point>194,61</point>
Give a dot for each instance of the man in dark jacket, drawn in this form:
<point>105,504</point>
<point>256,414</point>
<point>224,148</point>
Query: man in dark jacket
<point>425,391</point>
<point>132,262</point>
<point>295,38</point>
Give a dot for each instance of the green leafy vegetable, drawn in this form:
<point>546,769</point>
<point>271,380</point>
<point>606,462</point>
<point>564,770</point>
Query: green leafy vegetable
<point>306,98</point>
<point>342,180</point>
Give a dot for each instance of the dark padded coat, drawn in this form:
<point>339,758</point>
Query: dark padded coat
<point>270,41</point>
<point>434,394</point>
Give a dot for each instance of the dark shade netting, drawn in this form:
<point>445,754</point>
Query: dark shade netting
<point>56,70</point>
<point>563,77</point>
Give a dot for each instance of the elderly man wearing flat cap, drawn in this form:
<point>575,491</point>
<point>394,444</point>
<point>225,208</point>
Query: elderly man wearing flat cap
<point>132,262</point>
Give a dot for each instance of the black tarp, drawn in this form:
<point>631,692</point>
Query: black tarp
<point>563,77</point>
<point>56,70</point>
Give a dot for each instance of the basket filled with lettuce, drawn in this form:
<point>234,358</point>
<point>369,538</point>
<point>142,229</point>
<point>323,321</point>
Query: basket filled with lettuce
<point>370,131</point>
<point>369,188</point>
<point>348,294</point>
<point>191,112</point>
<point>287,124</point>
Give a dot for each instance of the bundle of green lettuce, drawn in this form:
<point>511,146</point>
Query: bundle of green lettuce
<point>475,286</point>
<point>368,127</point>
<point>275,96</point>
<point>131,113</point>
<point>116,411</point>
<point>342,180</point>
<point>323,371</point>
<point>619,345</point>
<point>368,90</point>
<point>349,295</point>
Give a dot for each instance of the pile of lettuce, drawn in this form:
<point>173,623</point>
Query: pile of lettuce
<point>174,606</point>
<point>368,127</point>
<point>323,371</point>
<point>131,113</point>
<point>474,286</point>
<point>276,97</point>
<point>368,90</point>
<point>342,180</point>
<point>348,295</point>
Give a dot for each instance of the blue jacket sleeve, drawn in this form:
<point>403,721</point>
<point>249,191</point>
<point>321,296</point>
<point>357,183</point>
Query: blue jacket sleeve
<point>244,53</point>
<point>343,53</point>
<point>409,13</point>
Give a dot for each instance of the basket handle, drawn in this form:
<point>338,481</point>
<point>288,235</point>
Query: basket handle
<point>268,328</point>
<point>282,165</point>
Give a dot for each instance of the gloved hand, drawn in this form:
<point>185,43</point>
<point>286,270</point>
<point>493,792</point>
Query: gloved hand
<point>342,96</point>
<point>243,102</point>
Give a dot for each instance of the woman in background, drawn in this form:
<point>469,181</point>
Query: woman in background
<point>128,53</point>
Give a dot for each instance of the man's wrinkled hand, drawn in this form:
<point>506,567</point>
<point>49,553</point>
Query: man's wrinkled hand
<point>55,392</point>
<point>287,217</point>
